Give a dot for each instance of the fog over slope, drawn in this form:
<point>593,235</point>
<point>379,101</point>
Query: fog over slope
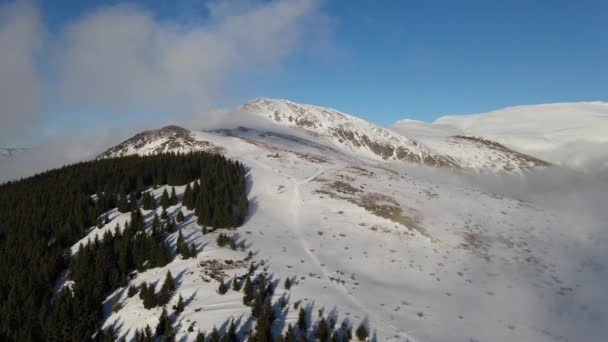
<point>572,134</point>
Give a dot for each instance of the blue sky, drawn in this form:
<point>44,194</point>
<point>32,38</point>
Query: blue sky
<point>424,59</point>
<point>106,63</point>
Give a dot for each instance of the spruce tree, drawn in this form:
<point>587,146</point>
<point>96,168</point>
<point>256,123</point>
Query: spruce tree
<point>173,198</point>
<point>200,337</point>
<point>214,336</point>
<point>322,333</point>
<point>302,323</point>
<point>361,332</point>
<point>188,200</point>
<point>287,283</point>
<point>236,285</point>
<point>180,216</point>
<point>290,335</point>
<point>248,295</point>
<point>165,201</point>
<point>231,334</point>
<point>179,307</point>
<point>163,328</point>
<point>222,288</point>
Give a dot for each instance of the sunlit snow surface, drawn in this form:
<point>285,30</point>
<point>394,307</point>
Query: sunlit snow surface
<point>450,264</point>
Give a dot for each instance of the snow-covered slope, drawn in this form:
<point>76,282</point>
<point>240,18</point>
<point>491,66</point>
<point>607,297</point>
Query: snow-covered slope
<point>362,138</point>
<point>421,259</point>
<point>560,132</point>
<point>166,139</point>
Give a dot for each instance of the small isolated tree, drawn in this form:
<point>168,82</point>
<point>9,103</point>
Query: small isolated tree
<point>361,332</point>
<point>287,283</point>
<point>222,289</point>
<point>180,216</point>
<point>166,291</point>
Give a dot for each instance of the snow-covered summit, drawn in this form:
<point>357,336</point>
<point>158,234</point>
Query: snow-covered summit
<point>364,138</point>
<point>346,131</point>
<point>166,139</point>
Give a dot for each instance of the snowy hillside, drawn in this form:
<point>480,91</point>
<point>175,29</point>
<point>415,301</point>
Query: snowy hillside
<point>420,259</point>
<point>364,139</point>
<point>568,133</point>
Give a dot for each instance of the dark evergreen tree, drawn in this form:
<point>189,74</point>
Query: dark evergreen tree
<point>322,333</point>
<point>287,283</point>
<point>214,336</point>
<point>248,294</point>
<point>165,201</point>
<point>200,337</point>
<point>180,216</point>
<point>222,288</point>
<point>302,323</point>
<point>361,332</point>
<point>179,307</point>
<point>163,328</point>
<point>290,335</point>
<point>236,285</point>
<point>173,198</point>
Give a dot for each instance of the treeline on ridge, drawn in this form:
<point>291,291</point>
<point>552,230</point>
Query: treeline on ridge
<point>42,216</point>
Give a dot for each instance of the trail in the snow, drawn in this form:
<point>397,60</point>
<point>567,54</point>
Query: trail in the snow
<point>296,227</point>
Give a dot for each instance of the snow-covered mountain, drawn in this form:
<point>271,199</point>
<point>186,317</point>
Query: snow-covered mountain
<point>166,139</point>
<point>365,139</point>
<point>565,133</point>
<point>421,257</point>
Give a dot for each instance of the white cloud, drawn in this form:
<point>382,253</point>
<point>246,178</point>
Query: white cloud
<point>124,59</point>
<point>21,39</point>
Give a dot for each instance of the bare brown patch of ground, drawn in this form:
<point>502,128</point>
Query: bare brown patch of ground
<point>215,268</point>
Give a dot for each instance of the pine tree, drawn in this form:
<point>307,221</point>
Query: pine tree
<point>163,214</point>
<point>322,333</point>
<point>248,291</point>
<point>258,304</point>
<point>165,201</point>
<point>222,289</point>
<point>361,332</point>
<point>302,323</point>
<point>180,216</point>
<point>214,336</point>
<point>173,198</point>
<point>236,285</point>
<point>179,307</point>
<point>231,334</point>
<point>163,328</point>
<point>290,335</point>
<point>166,291</point>
<point>188,199</point>
<point>287,283</point>
<point>200,337</point>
